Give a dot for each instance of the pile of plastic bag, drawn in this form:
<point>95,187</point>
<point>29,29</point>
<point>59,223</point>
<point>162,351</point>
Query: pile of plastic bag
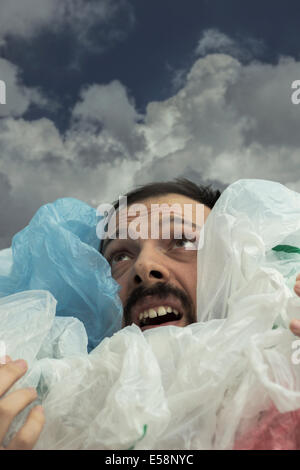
<point>58,252</point>
<point>228,381</point>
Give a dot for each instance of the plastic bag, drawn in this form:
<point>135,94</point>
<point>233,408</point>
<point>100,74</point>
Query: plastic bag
<point>250,219</point>
<point>210,385</point>
<point>58,252</point>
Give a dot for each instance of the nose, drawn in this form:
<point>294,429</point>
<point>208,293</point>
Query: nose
<point>149,267</point>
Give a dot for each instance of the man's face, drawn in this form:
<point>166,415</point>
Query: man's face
<point>158,276</point>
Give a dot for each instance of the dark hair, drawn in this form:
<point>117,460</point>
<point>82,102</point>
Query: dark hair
<point>203,194</point>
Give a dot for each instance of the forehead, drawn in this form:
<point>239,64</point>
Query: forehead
<point>168,199</point>
<point>183,202</point>
<point>155,209</point>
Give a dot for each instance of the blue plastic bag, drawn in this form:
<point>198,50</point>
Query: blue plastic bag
<point>58,252</point>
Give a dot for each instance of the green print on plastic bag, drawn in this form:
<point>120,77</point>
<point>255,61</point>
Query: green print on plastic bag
<point>140,438</point>
<point>287,249</point>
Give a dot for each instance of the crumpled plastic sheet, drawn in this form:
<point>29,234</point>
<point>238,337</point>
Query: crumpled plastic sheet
<point>276,431</point>
<point>58,252</point>
<point>227,381</point>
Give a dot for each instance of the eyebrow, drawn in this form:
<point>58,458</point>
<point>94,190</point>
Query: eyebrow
<point>173,219</point>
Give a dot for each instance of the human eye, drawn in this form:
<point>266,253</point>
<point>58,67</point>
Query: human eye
<point>117,257</point>
<point>186,243</point>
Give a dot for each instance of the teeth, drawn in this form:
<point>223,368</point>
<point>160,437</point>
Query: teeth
<point>158,311</point>
<point>152,313</point>
<point>161,311</point>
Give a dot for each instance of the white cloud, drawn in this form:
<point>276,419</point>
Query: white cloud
<point>27,18</point>
<point>109,107</point>
<point>39,165</point>
<point>214,41</point>
<point>18,97</point>
<point>228,121</point>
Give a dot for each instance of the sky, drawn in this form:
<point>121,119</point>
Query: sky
<point>105,95</point>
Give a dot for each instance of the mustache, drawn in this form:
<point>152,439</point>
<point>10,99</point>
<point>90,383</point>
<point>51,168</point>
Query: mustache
<point>162,291</point>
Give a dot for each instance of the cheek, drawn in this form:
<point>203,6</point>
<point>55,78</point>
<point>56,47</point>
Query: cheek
<point>123,292</point>
<point>189,279</point>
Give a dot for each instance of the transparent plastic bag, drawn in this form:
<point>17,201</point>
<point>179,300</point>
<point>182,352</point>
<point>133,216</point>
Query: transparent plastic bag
<point>58,252</point>
<point>225,382</point>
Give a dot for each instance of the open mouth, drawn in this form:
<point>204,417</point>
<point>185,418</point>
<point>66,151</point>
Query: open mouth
<point>157,316</point>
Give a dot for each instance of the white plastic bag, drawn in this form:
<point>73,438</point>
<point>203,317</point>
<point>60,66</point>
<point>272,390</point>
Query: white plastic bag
<point>205,386</point>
